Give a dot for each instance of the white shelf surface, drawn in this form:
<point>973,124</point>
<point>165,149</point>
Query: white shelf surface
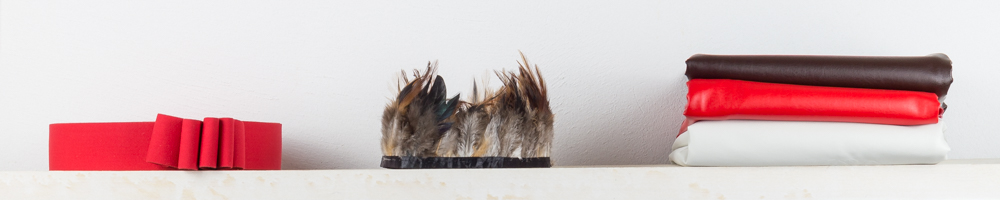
<point>954,179</point>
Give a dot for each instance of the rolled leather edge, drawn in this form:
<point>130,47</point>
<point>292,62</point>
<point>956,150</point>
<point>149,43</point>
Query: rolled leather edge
<point>723,99</point>
<point>931,73</point>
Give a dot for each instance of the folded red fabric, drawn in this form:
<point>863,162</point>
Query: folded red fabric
<point>723,99</point>
<point>167,144</point>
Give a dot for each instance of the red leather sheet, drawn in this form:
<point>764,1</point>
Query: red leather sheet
<point>127,145</point>
<point>723,99</point>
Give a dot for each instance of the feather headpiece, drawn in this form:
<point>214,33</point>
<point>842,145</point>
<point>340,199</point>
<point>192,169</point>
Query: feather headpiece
<point>514,121</point>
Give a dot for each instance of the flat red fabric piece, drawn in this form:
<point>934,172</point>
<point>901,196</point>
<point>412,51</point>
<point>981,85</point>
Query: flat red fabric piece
<point>101,146</point>
<point>263,149</point>
<point>125,146</point>
<point>724,99</point>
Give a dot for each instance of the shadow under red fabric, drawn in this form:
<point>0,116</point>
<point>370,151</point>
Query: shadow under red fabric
<point>724,99</point>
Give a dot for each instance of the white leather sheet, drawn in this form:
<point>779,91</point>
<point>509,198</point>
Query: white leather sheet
<point>791,143</point>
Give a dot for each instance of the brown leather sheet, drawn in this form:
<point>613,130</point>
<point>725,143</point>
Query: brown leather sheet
<point>931,73</point>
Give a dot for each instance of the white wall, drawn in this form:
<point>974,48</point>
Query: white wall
<point>324,69</point>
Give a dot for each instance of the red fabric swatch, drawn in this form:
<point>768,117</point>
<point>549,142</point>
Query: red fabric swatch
<point>132,145</point>
<point>723,99</point>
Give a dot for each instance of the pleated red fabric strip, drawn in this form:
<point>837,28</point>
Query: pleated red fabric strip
<point>167,144</point>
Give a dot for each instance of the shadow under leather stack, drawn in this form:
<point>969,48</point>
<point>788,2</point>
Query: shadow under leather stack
<point>787,110</point>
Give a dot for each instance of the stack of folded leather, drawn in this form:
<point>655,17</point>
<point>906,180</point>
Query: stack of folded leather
<point>787,110</point>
